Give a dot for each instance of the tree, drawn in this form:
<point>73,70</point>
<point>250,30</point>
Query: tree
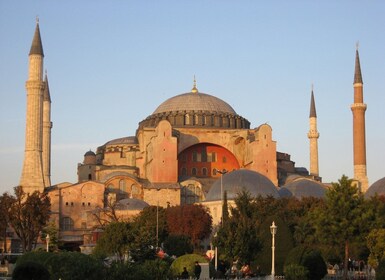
<point>238,237</point>
<point>178,245</point>
<point>115,240</point>
<point>341,220</point>
<point>108,214</point>
<point>376,245</point>
<point>28,215</point>
<point>191,220</point>
<point>5,204</point>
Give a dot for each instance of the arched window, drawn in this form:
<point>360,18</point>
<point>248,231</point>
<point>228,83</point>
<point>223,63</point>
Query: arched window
<point>204,171</point>
<point>135,190</point>
<point>184,171</point>
<point>194,156</point>
<point>194,171</point>
<point>187,119</point>
<point>191,194</point>
<point>67,223</point>
<point>122,186</point>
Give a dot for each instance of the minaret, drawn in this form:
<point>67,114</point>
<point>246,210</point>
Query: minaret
<point>359,143</point>
<point>313,136</point>
<point>47,127</point>
<point>32,175</point>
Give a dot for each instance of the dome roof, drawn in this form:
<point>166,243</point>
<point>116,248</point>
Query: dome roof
<point>236,181</point>
<point>195,101</point>
<point>303,187</point>
<point>131,204</point>
<point>377,187</point>
<point>124,140</point>
<point>89,153</point>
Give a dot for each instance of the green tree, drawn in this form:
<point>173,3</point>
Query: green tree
<point>376,245</point>
<point>342,219</point>
<point>225,208</point>
<point>238,238</point>
<point>28,215</point>
<point>115,240</point>
<point>52,232</point>
<point>150,220</point>
<point>178,245</point>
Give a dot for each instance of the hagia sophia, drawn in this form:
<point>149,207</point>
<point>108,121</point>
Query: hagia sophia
<point>191,149</point>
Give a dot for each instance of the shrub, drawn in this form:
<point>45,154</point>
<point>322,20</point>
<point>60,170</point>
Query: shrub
<point>187,261</point>
<point>310,259</point>
<point>30,270</point>
<point>380,271</point>
<point>295,272</point>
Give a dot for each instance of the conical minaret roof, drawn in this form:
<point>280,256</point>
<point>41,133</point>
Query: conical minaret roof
<point>46,94</point>
<point>357,70</point>
<point>313,113</point>
<point>37,46</point>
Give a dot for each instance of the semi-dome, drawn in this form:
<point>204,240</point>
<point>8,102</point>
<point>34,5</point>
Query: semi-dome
<point>195,101</point>
<point>377,187</point>
<point>236,181</point>
<point>131,204</point>
<point>303,187</point>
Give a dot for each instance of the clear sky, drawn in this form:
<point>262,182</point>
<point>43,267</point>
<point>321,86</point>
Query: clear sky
<point>111,63</point>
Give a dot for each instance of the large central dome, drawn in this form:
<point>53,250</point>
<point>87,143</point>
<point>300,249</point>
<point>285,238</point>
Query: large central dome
<point>196,109</point>
<point>195,101</point>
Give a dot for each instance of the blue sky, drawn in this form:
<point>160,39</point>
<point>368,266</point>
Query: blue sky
<point>111,63</point>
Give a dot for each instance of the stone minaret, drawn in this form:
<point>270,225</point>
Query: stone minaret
<point>47,126</point>
<point>359,143</point>
<point>32,176</point>
<point>313,136</point>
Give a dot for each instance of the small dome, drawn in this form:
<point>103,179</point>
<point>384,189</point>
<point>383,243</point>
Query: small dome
<point>236,181</point>
<point>89,153</point>
<point>377,187</point>
<point>303,187</point>
<point>131,204</point>
<point>124,140</point>
<point>195,101</point>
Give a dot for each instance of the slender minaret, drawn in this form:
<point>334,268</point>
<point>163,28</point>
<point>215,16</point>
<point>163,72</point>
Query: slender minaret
<point>359,143</point>
<point>47,126</point>
<point>313,136</point>
<point>32,176</point>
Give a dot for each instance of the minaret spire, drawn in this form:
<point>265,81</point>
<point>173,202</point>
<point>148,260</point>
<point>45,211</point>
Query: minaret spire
<point>47,127</point>
<point>357,70</point>
<point>359,139</point>
<point>32,178</point>
<point>313,136</point>
<point>313,112</point>
<point>37,46</point>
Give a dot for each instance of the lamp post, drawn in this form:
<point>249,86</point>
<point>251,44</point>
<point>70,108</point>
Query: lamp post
<point>157,218</point>
<point>273,230</point>
<point>47,240</point>
<point>222,172</point>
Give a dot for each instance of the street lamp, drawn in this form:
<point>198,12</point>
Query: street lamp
<point>47,240</point>
<point>273,230</point>
<point>157,219</point>
<point>222,172</point>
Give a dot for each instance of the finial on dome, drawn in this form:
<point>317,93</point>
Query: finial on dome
<point>194,89</point>
<point>357,45</point>
<point>37,19</point>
